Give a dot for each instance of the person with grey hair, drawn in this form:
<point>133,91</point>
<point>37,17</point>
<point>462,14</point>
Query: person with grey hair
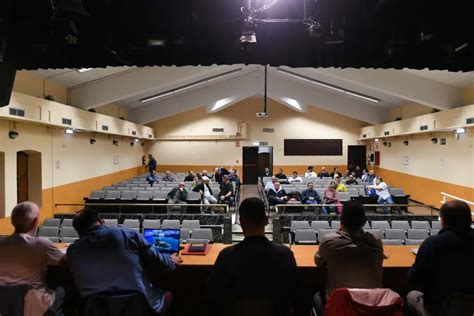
<point>24,259</point>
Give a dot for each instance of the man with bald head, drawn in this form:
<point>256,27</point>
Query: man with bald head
<point>24,259</point>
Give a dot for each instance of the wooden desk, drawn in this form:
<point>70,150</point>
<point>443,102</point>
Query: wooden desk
<point>398,256</point>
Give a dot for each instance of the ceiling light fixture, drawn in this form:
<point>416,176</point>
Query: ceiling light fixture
<point>81,70</point>
<point>190,86</point>
<point>69,131</point>
<point>327,85</point>
<point>460,130</point>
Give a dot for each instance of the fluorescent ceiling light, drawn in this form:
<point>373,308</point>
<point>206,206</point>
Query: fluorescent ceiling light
<point>293,103</point>
<point>190,86</point>
<point>136,140</point>
<point>81,70</point>
<point>327,85</point>
<point>460,130</point>
<point>221,103</point>
<point>69,131</point>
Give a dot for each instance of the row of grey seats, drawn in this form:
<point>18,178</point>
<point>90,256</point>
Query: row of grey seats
<point>375,224</point>
<point>389,236</point>
<point>156,187</point>
<point>137,195</point>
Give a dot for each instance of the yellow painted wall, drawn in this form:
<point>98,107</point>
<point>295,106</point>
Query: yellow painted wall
<point>468,95</point>
<point>33,85</point>
<point>316,123</point>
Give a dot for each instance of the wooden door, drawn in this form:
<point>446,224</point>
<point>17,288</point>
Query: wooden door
<point>250,165</point>
<point>22,176</point>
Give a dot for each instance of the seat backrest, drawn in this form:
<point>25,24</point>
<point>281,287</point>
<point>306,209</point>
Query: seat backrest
<point>112,194</point>
<point>112,222</point>
<point>47,231</point>
<point>148,195</point>
<point>434,231</point>
<point>52,222</point>
<point>353,192</point>
<point>375,231</point>
<point>417,233</point>
<point>190,223</point>
<point>12,300</point>
<point>202,233</point>
<point>436,224</point>
<point>161,195</point>
<point>401,225</point>
<point>68,232</point>
<point>395,234</point>
<point>97,194</point>
<point>151,223</point>
<point>344,196</point>
<point>335,224</point>
<point>317,225</point>
<point>410,241</point>
<point>305,236</point>
<point>184,235</point>
<point>131,223</point>
<point>128,195</point>
<point>392,241</point>
<point>193,196</point>
<point>458,304</point>
<point>170,224</point>
<point>322,233</point>
<point>136,188</point>
<point>131,303</point>
<point>384,225</point>
<point>67,222</point>
<point>396,191</point>
<point>420,225</point>
<point>299,225</point>
<point>69,240</point>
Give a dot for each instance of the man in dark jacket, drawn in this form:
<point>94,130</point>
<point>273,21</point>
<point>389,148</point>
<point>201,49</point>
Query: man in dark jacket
<point>151,163</point>
<point>444,262</point>
<point>277,195</point>
<point>310,196</point>
<point>256,269</point>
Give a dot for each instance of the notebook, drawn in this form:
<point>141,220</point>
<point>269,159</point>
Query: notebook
<point>165,240</point>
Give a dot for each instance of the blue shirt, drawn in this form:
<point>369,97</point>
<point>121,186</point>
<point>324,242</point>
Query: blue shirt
<point>112,259</point>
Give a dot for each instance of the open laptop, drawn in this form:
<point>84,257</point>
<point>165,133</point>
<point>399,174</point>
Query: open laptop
<point>165,240</point>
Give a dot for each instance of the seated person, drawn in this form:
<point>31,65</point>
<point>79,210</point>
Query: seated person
<point>340,186</point>
<point>234,177</point>
<point>331,197</point>
<point>151,178</point>
<point>226,191</point>
<point>310,196</point>
<point>270,184</point>
<point>444,262</point>
<point>295,178</point>
<point>351,180</point>
<point>336,173</point>
<point>205,190</point>
<point>24,259</point>
<point>219,173</point>
<point>107,259</point>
<point>346,174</point>
<point>267,172</point>
<point>323,173</point>
<point>353,258</point>
<point>178,195</point>
<point>310,173</point>
<point>168,177</point>
<point>371,177</point>
<point>254,269</point>
<point>189,177</point>
<point>277,195</point>
<point>364,175</point>
<point>381,190</point>
<point>280,175</point>
<point>358,172</point>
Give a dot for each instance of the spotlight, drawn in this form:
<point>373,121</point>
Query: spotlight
<point>143,144</point>
<point>434,140</point>
<point>384,143</point>
<point>69,131</point>
<point>136,140</point>
<point>405,143</point>
<point>92,141</point>
<point>115,143</point>
<point>460,130</point>
<point>13,134</point>
<point>131,144</point>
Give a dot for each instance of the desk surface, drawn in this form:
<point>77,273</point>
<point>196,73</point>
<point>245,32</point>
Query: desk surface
<point>398,256</point>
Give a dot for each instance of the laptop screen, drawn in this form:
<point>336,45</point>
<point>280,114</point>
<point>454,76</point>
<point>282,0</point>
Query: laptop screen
<point>165,240</point>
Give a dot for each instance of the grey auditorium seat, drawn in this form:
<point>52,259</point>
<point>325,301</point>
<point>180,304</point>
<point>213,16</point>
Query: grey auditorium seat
<point>305,236</point>
<point>299,225</point>
<point>417,233</point>
<point>170,224</point>
<point>128,195</point>
<point>144,195</point>
<point>420,225</point>
<point>395,234</point>
<point>322,233</point>
<point>97,195</point>
<point>112,195</point>
<point>202,233</point>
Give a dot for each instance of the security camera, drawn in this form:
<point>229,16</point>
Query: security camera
<point>13,134</point>
<point>115,143</point>
<point>132,143</point>
<point>262,114</point>
<point>434,140</point>
<point>92,141</point>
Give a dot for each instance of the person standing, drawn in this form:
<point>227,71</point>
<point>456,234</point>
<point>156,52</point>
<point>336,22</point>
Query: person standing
<point>151,163</point>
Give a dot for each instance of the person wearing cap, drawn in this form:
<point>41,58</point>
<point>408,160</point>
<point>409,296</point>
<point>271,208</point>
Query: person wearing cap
<point>205,190</point>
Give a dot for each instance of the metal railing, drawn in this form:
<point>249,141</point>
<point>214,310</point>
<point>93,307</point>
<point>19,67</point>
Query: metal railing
<point>147,205</point>
<point>315,207</point>
<point>446,195</point>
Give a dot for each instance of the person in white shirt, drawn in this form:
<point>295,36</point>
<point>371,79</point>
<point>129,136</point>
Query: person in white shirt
<point>384,196</point>
<point>310,173</point>
<point>270,184</point>
<point>295,178</point>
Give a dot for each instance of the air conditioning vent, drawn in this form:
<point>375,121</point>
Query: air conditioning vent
<point>364,135</point>
<point>134,133</point>
<point>423,127</point>
<point>17,112</point>
<point>268,130</point>
<point>105,128</point>
<point>470,120</point>
<point>218,130</point>
<point>386,133</point>
<point>263,144</point>
<point>67,121</point>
